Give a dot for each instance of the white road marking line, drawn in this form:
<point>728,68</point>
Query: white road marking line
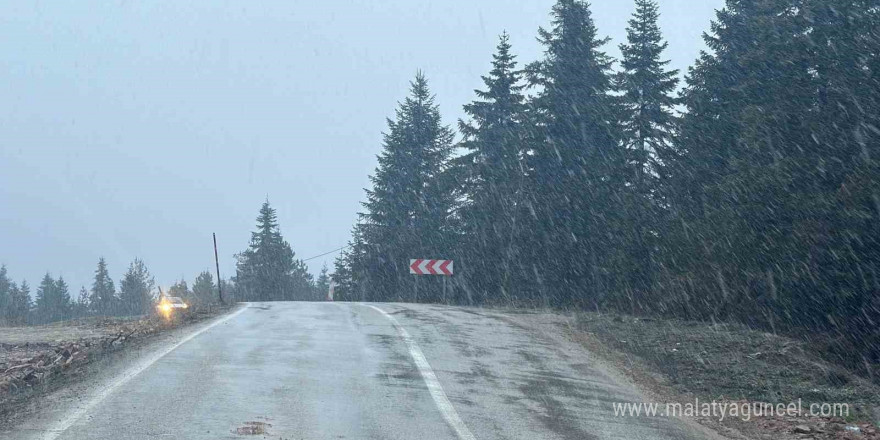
<point>108,389</point>
<point>440,399</point>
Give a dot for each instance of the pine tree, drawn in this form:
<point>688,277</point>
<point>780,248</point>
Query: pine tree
<point>203,291</point>
<point>647,92</point>
<point>43,303</point>
<point>496,177</point>
<point>103,300</point>
<point>742,142</point>
<point>81,306</point>
<point>5,292</point>
<point>757,190</point>
<point>181,290</point>
<point>577,164</point>
<point>648,125</point>
<point>268,270</point>
<point>843,176</point>
<point>230,291</point>
<point>136,295</point>
<point>409,204</point>
<point>63,299</point>
<point>303,282</point>
<point>53,300</point>
<point>19,304</point>
<point>773,193</point>
<point>342,277</point>
<point>322,285</point>
<point>347,269</point>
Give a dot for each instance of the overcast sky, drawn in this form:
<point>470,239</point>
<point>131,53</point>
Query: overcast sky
<point>137,128</point>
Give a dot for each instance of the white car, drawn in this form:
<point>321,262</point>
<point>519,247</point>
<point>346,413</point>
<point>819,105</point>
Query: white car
<point>170,305</point>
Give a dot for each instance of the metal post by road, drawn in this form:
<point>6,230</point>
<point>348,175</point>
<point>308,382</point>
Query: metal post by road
<point>217,263</point>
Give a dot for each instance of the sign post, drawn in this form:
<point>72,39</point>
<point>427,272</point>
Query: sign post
<point>431,267</point>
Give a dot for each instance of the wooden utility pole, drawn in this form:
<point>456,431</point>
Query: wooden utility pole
<point>217,263</point>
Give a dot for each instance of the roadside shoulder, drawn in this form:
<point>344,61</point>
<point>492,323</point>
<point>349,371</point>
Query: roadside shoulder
<point>562,331</point>
<point>69,368</point>
<point>693,364</point>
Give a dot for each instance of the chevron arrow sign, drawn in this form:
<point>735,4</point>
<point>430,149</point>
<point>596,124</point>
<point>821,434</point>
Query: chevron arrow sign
<point>430,267</point>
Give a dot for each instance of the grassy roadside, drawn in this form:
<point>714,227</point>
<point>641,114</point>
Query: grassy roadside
<point>37,360</point>
<point>678,361</point>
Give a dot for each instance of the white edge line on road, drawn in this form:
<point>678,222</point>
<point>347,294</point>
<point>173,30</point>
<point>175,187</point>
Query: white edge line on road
<point>120,380</point>
<point>440,399</point>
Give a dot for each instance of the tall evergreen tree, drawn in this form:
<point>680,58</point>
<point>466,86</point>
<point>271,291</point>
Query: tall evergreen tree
<point>773,194</point>
<point>304,282</point>
<point>136,295</point>
<point>203,291</point>
<point>322,285</point>
<point>64,300</point>
<point>53,300</point>
<point>409,204</point>
<point>764,163</point>
<point>351,280</point>
<point>577,164</point>
<point>103,300</point>
<point>842,176</point>
<point>647,99</point>
<point>742,139</point>
<point>81,305</point>
<point>20,304</point>
<point>647,88</point>
<point>43,305</point>
<point>5,292</point>
<point>269,270</point>
<point>230,291</point>
<point>342,276</point>
<point>181,290</point>
<point>496,178</point>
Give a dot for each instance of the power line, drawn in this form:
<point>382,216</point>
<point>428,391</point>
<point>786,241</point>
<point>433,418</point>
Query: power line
<point>326,253</point>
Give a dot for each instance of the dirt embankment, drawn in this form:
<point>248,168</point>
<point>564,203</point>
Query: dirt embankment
<point>35,360</point>
<point>681,361</point>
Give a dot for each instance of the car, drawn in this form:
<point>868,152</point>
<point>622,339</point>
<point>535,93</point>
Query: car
<point>170,306</point>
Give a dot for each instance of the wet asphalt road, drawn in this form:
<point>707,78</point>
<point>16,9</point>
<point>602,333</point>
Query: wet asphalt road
<point>344,371</point>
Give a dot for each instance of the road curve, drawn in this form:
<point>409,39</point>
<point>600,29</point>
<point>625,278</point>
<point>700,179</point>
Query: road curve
<point>359,371</point>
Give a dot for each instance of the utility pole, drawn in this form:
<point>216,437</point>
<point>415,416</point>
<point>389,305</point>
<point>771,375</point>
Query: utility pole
<point>217,263</point>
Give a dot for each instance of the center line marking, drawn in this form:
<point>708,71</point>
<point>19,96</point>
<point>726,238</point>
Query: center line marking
<point>440,399</point>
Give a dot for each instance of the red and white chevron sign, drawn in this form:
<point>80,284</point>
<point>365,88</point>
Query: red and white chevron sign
<point>430,267</point>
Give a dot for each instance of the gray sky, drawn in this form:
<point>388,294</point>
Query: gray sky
<point>138,128</point>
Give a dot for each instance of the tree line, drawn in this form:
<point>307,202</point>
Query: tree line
<point>267,270</point>
<point>751,194</point>
<point>53,300</point>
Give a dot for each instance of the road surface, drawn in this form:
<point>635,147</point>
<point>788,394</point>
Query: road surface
<point>357,371</point>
